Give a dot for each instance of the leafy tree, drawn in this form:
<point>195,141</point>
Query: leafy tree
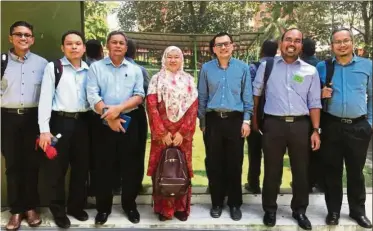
<point>95,26</point>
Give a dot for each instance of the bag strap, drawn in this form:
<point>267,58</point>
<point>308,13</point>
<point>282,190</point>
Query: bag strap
<point>4,63</point>
<point>57,72</point>
<point>267,72</point>
<point>328,79</point>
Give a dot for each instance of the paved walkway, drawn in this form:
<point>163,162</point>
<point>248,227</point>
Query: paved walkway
<point>201,220</point>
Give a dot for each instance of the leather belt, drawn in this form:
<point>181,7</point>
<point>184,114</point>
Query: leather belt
<point>288,119</point>
<point>224,115</point>
<point>74,115</point>
<point>20,111</point>
<point>346,120</point>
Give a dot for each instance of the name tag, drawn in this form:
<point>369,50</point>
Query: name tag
<point>298,78</point>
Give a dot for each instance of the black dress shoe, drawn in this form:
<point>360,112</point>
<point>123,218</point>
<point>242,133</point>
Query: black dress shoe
<point>303,221</point>
<point>101,218</point>
<point>215,211</point>
<point>363,221</point>
<point>79,215</point>
<point>133,215</point>
<point>269,219</point>
<point>180,215</point>
<point>332,219</point>
<point>255,189</point>
<point>161,217</point>
<point>236,214</point>
<point>62,222</point>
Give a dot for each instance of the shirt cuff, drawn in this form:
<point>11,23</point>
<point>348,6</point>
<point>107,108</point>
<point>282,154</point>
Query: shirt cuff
<point>246,116</point>
<point>44,127</point>
<point>257,92</point>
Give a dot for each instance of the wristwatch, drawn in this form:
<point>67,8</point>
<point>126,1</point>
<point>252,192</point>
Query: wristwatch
<point>247,122</point>
<point>318,130</point>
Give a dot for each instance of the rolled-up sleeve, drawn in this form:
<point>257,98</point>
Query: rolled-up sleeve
<point>259,80</point>
<point>93,89</point>
<point>139,85</point>
<point>46,98</point>
<point>247,94</point>
<point>314,92</point>
<point>202,97</point>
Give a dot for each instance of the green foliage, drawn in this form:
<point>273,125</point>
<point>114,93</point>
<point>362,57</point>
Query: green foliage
<point>95,26</point>
<point>185,16</point>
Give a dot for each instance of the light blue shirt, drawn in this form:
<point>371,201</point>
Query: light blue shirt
<point>20,85</point>
<point>352,88</point>
<point>292,89</point>
<point>112,84</point>
<point>224,89</point>
<point>70,95</point>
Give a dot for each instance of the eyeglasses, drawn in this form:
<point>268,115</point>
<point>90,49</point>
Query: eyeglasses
<point>340,42</point>
<point>20,35</point>
<point>220,45</point>
<point>296,41</point>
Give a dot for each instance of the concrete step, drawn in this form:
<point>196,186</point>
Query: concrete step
<point>201,220</point>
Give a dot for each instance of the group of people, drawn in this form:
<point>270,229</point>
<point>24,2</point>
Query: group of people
<point>100,109</point>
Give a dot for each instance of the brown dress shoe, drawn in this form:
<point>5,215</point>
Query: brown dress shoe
<point>14,222</point>
<point>32,218</point>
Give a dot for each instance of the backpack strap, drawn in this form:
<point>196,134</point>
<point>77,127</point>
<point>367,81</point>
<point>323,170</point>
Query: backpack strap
<point>328,79</point>
<point>57,72</point>
<point>4,63</point>
<point>268,71</point>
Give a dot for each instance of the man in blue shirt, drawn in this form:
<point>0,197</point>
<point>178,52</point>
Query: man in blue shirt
<point>65,110</point>
<point>292,98</point>
<point>347,127</point>
<point>117,85</point>
<point>225,106</point>
<point>254,141</point>
<point>20,92</point>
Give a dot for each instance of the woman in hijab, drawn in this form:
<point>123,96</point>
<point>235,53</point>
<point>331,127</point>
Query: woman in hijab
<point>172,106</point>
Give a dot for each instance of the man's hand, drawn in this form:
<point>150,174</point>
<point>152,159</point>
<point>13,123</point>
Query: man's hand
<point>245,130</point>
<point>177,139</point>
<point>167,139</point>
<point>326,92</point>
<point>112,112</point>
<point>116,124</point>
<point>315,141</point>
<point>45,140</point>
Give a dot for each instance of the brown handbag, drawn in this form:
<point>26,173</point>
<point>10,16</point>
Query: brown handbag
<point>172,176</point>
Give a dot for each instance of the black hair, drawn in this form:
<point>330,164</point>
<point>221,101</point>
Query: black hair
<point>20,23</point>
<point>116,32</point>
<point>93,48</point>
<point>221,34</point>
<point>269,48</point>
<point>283,35</point>
<point>341,29</point>
<point>211,47</point>
<point>131,49</point>
<point>71,32</point>
<point>309,47</point>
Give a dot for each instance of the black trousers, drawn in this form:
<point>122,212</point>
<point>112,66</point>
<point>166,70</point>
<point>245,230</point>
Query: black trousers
<point>346,143</point>
<point>114,146</point>
<point>254,141</point>
<point>73,150</point>
<point>140,114</point>
<point>224,158</point>
<point>18,135</point>
<point>94,129</point>
<point>277,136</point>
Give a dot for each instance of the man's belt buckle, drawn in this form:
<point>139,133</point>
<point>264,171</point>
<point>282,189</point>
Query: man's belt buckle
<point>76,116</point>
<point>223,115</point>
<point>289,119</point>
<point>346,121</point>
<point>20,111</point>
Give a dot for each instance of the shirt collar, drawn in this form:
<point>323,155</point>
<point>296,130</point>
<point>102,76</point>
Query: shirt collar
<point>354,59</point>
<point>15,57</point>
<point>107,60</point>
<point>297,61</point>
<point>229,61</point>
<point>66,62</point>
